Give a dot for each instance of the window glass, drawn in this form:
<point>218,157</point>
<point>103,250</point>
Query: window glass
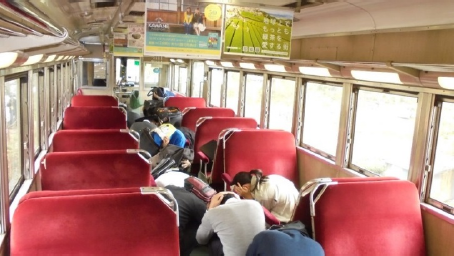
<point>151,75</point>
<point>94,73</point>
<point>321,116</point>
<point>183,80</point>
<point>281,104</point>
<point>176,77</point>
<point>253,99</point>
<point>42,112</point>
<point>36,122</point>
<point>13,133</point>
<point>133,71</point>
<point>442,188</point>
<point>198,76</point>
<point>52,117</point>
<point>233,90</point>
<point>216,87</point>
<point>384,133</point>
<point>59,94</point>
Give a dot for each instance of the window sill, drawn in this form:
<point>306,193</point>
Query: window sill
<point>438,213</point>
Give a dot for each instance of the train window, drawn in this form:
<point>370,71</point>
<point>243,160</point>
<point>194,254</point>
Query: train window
<point>442,183</point>
<point>152,74</point>
<point>233,90</point>
<point>42,113</point>
<point>94,73</point>
<point>13,133</point>
<point>198,76</point>
<point>216,87</point>
<point>321,118</point>
<point>253,99</point>
<point>183,80</point>
<point>383,133</point>
<point>176,75</point>
<point>282,104</point>
<point>52,96</point>
<point>36,117</point>
<point>59,92</point>
<point>132,71</point>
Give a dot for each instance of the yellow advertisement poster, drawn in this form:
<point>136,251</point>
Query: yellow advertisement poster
<point>259,32</point>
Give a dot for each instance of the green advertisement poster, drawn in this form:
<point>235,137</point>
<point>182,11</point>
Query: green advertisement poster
<point>183,29</point>
<point>259,32</point>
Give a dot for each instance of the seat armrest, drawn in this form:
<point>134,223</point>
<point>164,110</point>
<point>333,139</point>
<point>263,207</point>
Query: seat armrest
<point>227,179</point>
<point>203,157</point>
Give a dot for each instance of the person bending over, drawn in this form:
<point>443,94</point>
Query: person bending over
<point>235,222</point>
<point>276,193</point>
<point>190,213</point>
<point>166,133</point>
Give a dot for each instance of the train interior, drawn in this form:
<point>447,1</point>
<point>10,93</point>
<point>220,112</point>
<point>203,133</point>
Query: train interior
<point>366,91</point>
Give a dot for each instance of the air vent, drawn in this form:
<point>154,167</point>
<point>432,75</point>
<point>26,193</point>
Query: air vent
<point>105,4</point>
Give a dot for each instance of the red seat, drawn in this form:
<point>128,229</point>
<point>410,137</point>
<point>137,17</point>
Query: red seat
<point>192,115</point>
<point>272,151</point>
<point>132,221</point>
<point>94,118</point>
<point>377,216</point>
<point>90,140</point>
<point>93,101</point>
<point>185,102</point>
<point>208,128</point>
<point>95,170</point>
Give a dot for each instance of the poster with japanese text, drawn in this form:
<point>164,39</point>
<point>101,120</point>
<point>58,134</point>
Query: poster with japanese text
<point>259,32</point>
<point>129,41</point>
<point>188,30</point>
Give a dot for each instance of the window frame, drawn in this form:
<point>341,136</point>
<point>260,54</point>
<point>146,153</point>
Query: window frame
<point>432,151</point>
<point>350,145</point>
<point>303,118</point>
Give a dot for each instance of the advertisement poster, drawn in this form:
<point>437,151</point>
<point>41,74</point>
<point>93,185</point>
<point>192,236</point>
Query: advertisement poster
<point>183,30</point>
<point>259,32</point>
<point>129,42</point>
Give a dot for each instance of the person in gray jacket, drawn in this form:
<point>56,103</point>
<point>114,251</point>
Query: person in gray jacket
<point>234,221</point>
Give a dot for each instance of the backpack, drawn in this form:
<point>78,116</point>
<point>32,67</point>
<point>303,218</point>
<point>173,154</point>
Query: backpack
<point>147,142</point>
<point>189,135</point>
<point>170,115</point>
<point>199,188</point>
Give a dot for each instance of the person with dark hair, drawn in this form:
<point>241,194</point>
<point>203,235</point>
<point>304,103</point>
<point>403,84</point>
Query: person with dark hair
<point>196,21</point>
<point>274,192</point>
<point>234,221</point>
<point>190,213</point>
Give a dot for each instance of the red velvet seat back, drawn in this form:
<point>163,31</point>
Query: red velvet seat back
<point>94,118</point>
<point>94,170</point>
<point>94,222</point>
<point>302,209</point>
<point>272,151</point>
<point>370,218</point>
<point>90,140</point>
<point>191,117</point>
<point>209,128</point>
<point>93,101</point>
<point>185,102</point>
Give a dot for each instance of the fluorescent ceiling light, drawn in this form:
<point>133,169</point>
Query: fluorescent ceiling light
<point>374,76</point>
<point>59,58</point>
<point>210,63</point>
<point>247,65</point>
<point>446,82</point>
<point>315,71</point>
<point>275,68</point>
<point>33,59</point>
<point>172,60</point>
<point>180,61</point>
<point>227,64</point>
<point>50,58</point>
<point>7,59</point>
